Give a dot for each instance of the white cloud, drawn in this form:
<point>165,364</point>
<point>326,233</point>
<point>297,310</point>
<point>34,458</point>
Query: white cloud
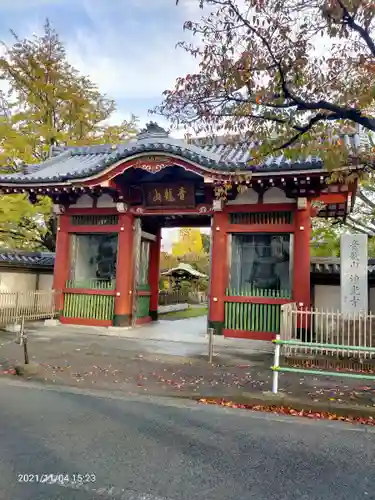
<point>21,4</point>
<point>137,74</point>
<point>125,49</point>
<point>133,59</point>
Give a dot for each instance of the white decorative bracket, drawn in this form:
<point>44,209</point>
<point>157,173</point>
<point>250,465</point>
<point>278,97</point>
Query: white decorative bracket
<point>218,205</point>
<point>58,209</point>
<point>301,203</point>
<point>121,207</point>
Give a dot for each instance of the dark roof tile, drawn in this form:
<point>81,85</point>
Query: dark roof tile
<point>27,259</point>
<point>330,266</point>
<point>79,162</point>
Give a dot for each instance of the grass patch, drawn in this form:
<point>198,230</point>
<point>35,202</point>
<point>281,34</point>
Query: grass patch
<point>192,312</point>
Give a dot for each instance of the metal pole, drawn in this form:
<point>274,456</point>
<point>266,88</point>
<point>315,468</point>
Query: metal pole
<point>210,332</point>
<point>210,274</point>
<point>276,364</point>
<point>24,341</point>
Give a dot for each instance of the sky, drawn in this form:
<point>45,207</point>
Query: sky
<point>127,47</point>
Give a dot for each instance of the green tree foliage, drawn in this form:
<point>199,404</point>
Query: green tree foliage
<point>48,103</point>
<point>325,239</point>
<point>292,75</point>
<point>190,249</point>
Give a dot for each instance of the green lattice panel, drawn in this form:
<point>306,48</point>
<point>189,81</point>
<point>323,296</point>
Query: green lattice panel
<point>94,220</point>
<point>92,284</point>
<point>252,317</point>
<point>261,218</point>
<point>143,306</point>
<point>100,307</point>
<point>250,291</point>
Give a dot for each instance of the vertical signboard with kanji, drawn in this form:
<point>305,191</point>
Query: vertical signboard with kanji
<point>354,280</point>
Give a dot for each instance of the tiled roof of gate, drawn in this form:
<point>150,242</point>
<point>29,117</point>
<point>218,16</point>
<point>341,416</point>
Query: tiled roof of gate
<point>73,163</point>
<point>27,259</point>
<point>69,163</point>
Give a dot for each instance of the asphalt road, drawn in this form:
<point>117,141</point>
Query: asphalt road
<point>156,449</point>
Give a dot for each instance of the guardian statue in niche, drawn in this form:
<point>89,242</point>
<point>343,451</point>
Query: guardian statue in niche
<point>106,259</point>
<point>270,252</point>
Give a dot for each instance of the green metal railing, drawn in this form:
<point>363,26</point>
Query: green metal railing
<point>276,368</point>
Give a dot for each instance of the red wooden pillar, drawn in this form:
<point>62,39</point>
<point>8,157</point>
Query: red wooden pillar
<point>124,272</point>
<point>301,262</point>
<point>62,266</point>
<point>219,271</point>
<point>154,275</point>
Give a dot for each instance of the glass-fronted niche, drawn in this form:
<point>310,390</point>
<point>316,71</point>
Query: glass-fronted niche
<point>144,264</point>
<point>261,265</point>
<point>93,259</point>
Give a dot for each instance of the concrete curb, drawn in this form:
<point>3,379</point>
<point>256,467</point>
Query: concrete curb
<point>248,398</point>
<point>270,399</point>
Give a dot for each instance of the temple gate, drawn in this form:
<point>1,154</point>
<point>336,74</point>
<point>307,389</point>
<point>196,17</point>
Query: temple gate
<point>113,201</point>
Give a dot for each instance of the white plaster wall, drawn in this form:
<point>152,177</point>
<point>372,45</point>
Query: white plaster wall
<point>327,298</point>
<point>17,282</point>
<point>276,195</point>
<point>84,201</point>
<point>23,282</point>
<point>248,197</point>
<point>271,196</point>
<point>371,300</point>
<point>45,281</point>
<point>104,201</point>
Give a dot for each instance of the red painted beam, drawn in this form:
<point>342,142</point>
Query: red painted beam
<point>132,163</point>
<point>143,321</point>
<point>260,228</point>
<point>71,228</point>
<point>154,272</point>
<point>125,269</point>
<point>173,211</point>
<point>333,198</point>
<point>219,267</point>
<point>85,321</point>
<point>61,266</point>
<point>246,334</point>
<point>301,257</point>
<point>91,211</point>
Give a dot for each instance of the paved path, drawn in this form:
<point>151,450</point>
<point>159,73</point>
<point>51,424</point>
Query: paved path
<point>71,356</point>
<point>185,337</point>
<point>151,449</point>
